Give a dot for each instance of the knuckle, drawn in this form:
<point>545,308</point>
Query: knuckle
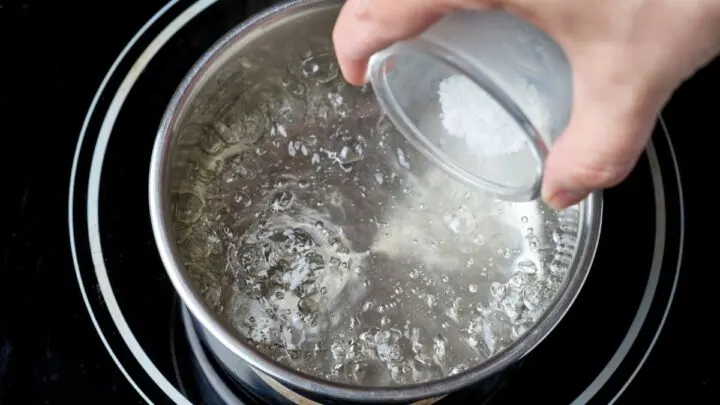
<point>363,11</point>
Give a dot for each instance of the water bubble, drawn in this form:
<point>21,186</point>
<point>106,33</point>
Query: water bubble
<point>282,201</point>
<point>519,279</point>
<point>519,329</point>
<point>458,369</point>
<point>210,142</point>
<point>336,199</point>
<point>388,353</point>
<point>479,240</point>
<point>533,242</point>
<point>460,221</point>
<point>497,290</point>
<point>295,88</point>
<point>322,68</point>
<point>242,198</point>
<point>527,266</point>
<point>240,122</point>
<point>307,306</point>
<point>338,350</point>
<point>440,346</point>
<point>188,207</point>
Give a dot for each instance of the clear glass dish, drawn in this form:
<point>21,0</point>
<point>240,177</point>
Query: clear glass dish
<point>482,94</point>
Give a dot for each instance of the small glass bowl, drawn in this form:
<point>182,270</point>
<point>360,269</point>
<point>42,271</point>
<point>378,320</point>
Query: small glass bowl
<point>481,94</point>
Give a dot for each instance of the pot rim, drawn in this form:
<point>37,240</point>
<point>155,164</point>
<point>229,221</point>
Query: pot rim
<point>161,221</point>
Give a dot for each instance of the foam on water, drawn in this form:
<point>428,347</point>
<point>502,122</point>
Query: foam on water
<point>318,234</point>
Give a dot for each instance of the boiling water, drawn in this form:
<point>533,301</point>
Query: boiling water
<point>327,243</point>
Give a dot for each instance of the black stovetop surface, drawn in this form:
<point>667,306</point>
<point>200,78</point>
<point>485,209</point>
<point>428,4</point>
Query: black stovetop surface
<point>54,54</point>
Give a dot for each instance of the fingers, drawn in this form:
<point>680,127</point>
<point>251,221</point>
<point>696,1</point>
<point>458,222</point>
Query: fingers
<point>612,117</point>
<point>606,135</point>
<point>367,26</point>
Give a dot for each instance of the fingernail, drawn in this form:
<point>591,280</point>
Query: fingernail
<point>564,198</point>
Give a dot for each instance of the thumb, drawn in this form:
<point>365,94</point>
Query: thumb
<point>608,130</point>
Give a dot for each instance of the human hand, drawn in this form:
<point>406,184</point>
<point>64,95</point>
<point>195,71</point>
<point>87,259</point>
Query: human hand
<point>627,57</point>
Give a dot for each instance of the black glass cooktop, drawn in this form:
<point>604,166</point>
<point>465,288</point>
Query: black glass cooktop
<point>87,314</point>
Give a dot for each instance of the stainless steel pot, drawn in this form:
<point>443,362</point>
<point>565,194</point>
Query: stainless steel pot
<point>296,25</point>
